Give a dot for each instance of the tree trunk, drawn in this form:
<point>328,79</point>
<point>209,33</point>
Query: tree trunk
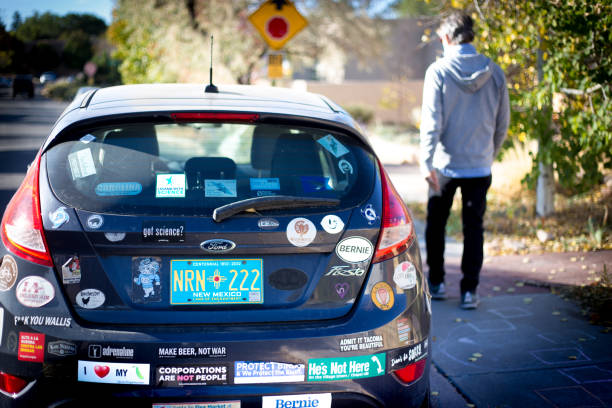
<point>545,189</point>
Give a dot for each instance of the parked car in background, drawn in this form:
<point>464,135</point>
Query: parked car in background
<point>22,84</point>
<point>239,248</point>
<point>47,77</point>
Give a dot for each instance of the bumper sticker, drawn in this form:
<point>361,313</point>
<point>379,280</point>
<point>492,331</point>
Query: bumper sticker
<point>346,368</point>
<point>146,283</point>
<point>265,183</point>
<point>118,189</point>
<point>332,224</point>
<point>405,275</point>
<point>382,296</point>
<point>220,188</point>
<point>193,374</point>
<point>216,404</point>
<point>406,356</point>
<point>81,164</point>
<point>71,271</point>
<point>58,217</point>
<point>61,348</point>
<point>113,373</point>
<point>290,401</point>
<point>8,273</point>
<point>354,249</point>
<point>170,185</point>
<point>301,232</point>
<point>332,145</point>
<point>403,329</point>
<point>163,231</point>
<point>31,347</point>
<point>256,372</point>
<point>361,343</point>
<point>34,291</point>
<point>90,298</point>
<point>192,352</point>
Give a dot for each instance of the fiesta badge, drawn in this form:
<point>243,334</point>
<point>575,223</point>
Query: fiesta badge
<point>382,296</point>
<point>217,246</point>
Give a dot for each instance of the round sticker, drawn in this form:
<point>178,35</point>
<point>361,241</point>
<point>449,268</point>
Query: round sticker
<point>382,296</point>
<point>59,217</point>
<point>405,275</point>
<point>301,232</point>
<point>90,298</point>
<point>34,291</point>
<point>332,224</point>
<point>8,272</point>
<point>95,221</point>
<point>345,166</point>
<point>369,213</point>
<point>114,236</point>
<point>354,249</point>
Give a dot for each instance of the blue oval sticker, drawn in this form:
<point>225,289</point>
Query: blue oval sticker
<point>119,189</point>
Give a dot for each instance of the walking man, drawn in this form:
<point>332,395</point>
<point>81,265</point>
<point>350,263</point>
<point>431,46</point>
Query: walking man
<point>465,117</point>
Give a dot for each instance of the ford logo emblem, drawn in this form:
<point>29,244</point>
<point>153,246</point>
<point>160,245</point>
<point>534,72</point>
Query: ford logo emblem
<point>217,245</point>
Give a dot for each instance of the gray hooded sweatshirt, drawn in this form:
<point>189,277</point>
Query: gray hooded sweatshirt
<point>465,113</point>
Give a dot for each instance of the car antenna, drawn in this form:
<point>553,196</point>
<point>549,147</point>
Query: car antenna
<point>210,88</point>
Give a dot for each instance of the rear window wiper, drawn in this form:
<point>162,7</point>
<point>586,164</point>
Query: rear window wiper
<point>271,203</point>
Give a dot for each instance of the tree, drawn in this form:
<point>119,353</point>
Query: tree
<point>77,49</point>
<point>169,41</point>
<point>16,23</point>
<point>557,57</point>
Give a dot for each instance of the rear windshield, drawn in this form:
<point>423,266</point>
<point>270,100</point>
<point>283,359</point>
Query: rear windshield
<point>193,168</point>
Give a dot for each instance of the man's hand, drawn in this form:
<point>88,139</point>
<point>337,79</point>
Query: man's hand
<point>432,180</point>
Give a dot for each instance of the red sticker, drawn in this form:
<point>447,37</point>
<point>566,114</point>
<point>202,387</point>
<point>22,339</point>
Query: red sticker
<point>31,347</point>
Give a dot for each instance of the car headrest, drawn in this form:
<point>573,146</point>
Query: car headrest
<point>141,138</point>
<point>296,154</point>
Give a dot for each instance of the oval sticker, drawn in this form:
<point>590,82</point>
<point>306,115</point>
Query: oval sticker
<point>301,232</point>
<point>354,249</point>
<point>382,296</point>
<point>332,224</point>
<point>90,298</point>
<point>8,273</point>
<point>34,291</point>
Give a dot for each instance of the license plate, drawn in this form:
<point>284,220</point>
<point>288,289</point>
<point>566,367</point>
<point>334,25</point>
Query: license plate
<point>216,281</point>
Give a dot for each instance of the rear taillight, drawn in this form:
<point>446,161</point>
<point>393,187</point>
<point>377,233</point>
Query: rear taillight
<point>215,117</point>
<point>397,231</point>
<point>22,231</point>
<point>11,384</point>
<point>411,372</point>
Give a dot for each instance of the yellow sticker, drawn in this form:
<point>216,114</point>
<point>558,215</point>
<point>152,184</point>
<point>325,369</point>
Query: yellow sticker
<point>382,296</point>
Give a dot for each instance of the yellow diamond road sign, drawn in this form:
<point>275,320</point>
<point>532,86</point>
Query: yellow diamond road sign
<point>277,26</point>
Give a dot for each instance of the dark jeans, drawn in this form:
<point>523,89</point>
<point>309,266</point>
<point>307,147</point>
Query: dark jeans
<point>474,203</point>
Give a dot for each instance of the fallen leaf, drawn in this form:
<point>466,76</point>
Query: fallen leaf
<point>552,272</point>
<point>458,319</point>
<point>527,300</point>
<point>583,267</point>
<point>510,290</point>
<point>572,357</point>
<point>435,393</point>
<point>470,405</point>
<point>582,258</point>
<point>556,313</point>
<point>519,284</point>
<point>564,319</point>
<point>573,259</point>
<point>581,339</point>
<point>525,260</point>
<point>477,355</point>
<point>472,359</point>
<point>561,269</point>
<point>496,288</point>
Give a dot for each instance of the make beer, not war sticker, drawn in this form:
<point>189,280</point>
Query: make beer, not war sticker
<point>354,249</point>
<point>301,232</point>
<point>34,291</point>
<point>303,400</point>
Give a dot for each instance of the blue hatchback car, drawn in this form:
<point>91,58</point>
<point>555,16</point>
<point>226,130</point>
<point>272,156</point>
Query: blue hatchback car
<point>176,248</point>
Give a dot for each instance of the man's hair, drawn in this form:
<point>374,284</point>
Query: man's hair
<point>459,27</point>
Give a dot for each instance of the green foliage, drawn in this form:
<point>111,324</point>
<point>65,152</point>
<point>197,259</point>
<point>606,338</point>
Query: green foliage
<point>42,57</point>
<point>62,90</point>
<point>596,298</point>
<point>557,57</point>
<point>361,113</point>
<point>48,26</point>
<point>417,8</point>
<point>108,69</point>
<point>77,49</point>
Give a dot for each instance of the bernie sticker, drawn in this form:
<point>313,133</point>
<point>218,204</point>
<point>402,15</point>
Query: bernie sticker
<point>332,145</point>
<point>315,184</point>
<point>332,224</point>
<point>58,217</point>
<point>115,236</point>
<point>34,291</point>
<point>345,166</point>
<point>361,343</point>
<point>382,296</point>
<point>346,368</point>
<point>193,374</point>
<point>354,249</point>
<point>403,329</point>
<point>71,271</point>
<point>163,231</point>
<point>125,188</point>
<point>146,283</point>
<point>301,232</point>
<point>90,298</point>
<point>265,183</point>
<point>191,352</point>
<point>170,185</point>
<point>62,348</point>
<point>405,356</point>
<point>342,289</point>
<point>220,188</point>
<point>369,214</point>
<point>31,347</point>
<point>255,372</point>
<point>302,400</point>
<point>95,221</point>
<point>8,273</point>
<point>268,223</point>
<point>405,276</point>
<point>113,373</point>
<point>345,270</point>
<point>98,351</point>
<point>49,321</point>
<point>81,164</point>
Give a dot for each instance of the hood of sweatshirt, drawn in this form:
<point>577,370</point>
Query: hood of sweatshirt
<point>470,71</point>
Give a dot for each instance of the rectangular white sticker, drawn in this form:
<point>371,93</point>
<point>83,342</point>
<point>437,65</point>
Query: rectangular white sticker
<point>333,146</point>
<point>113,373</point>
<point>81,164</point>
<point>170,185</point>
<point>219,188</point>
<point>265,184</point>
<point>304,400</point>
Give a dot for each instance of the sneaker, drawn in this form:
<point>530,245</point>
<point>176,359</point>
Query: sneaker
<point>469,300</point>
<point>438,292</point>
